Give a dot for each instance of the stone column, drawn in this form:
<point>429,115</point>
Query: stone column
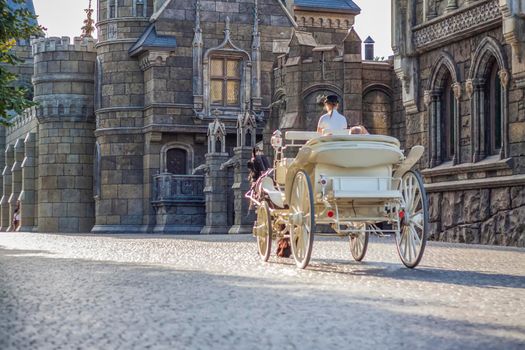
<point>7,187</point>
<point>243,221</point>
<point>456,87</point>
<point>434,129</point>
<point>477,95</point>
<point>504,76</point>
<point>16,179</point>
<point>28,196</point>
<point>216,193</point>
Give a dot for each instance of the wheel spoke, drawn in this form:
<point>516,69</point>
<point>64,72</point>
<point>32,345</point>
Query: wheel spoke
<point>415,237</point>
<point>415,223</point>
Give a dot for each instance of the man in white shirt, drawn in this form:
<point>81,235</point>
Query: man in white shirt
<point>333,120</point>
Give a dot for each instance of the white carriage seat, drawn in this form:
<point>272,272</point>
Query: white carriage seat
<point>355,151</point>
<point>276,196</point>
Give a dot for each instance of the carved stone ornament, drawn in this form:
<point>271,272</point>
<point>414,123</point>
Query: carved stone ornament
<point>504,77</point>
<point>426,98</point>
<point>432,34</point>
<point>469,88</point>
<point>456,87</point>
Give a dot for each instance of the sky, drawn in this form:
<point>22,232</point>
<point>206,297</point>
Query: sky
<point>65,18</point>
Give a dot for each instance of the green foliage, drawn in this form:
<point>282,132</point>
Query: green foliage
<point>380,59</point>
<point>14,24</point>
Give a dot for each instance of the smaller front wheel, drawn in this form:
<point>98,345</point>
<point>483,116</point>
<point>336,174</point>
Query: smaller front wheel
<point>359,244</point>
<point>263,231</point>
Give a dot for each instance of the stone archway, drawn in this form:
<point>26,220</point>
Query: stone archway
<point>377,111</point>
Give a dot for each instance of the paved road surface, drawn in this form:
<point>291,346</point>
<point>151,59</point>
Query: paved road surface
<point>191,292</point>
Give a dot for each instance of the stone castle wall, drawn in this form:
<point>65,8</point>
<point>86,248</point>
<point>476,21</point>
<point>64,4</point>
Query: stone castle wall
<point>476,197</point>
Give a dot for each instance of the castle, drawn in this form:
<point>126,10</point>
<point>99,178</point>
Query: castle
<point>149,128</point>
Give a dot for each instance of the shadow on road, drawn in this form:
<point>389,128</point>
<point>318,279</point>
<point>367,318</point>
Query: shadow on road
<point>111,305</point>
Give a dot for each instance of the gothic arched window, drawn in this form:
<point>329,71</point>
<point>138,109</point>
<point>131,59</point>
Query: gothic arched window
<point>488,90</point>
<point>443,100</point>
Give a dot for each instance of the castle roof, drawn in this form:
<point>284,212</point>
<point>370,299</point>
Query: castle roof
<point>150,40</point>
<point>328,5</point>
<point>28,5</point>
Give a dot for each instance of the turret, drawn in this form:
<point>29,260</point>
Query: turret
<point>64,85</point>
<point>119,110</point>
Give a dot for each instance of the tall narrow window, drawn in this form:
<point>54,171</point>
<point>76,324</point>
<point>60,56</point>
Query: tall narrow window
<point>447,121</point>
<point>225,82</point>
<point>176,161</point>
<point>493,111</point>
<point>111,10</point>
<point>139,8</point>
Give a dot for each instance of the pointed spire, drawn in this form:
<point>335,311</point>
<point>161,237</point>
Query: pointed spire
<point>255,17</point>
<point>255,34</point>
<point>88,27</point>
<point>198,8</point>
<point>197,39</point>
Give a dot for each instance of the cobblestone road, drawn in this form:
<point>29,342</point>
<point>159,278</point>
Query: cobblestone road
<point>137,292</point>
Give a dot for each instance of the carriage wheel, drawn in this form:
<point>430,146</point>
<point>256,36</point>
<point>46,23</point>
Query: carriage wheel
<point>359,244</point>
<point>264,231</point>
<point>302,220</point>
<point>412,238</point>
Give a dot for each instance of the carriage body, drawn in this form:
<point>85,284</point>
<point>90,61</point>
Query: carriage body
<point>357,184</point>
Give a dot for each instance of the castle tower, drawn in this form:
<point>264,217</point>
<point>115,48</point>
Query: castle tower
<point>122,201</point>
<point>64,85</point>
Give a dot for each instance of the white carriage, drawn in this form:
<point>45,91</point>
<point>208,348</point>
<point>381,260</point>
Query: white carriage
<point>357,184</point>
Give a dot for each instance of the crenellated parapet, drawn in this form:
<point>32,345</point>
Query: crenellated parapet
<point>41,45</point>
<point>64,78</point>
<point>22,119</point>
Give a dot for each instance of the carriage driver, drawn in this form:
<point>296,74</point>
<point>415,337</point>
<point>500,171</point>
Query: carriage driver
<point>333,120</point>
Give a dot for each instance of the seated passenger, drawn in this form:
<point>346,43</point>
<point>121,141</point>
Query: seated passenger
<point>333,121</point>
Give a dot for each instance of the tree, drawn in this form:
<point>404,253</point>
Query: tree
<point>15,23</point>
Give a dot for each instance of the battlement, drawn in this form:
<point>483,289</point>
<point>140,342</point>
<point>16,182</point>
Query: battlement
<point>41,45</point>
<point>22,119</point>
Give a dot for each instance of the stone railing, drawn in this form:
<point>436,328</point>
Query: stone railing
<point>178,188</point>
<point>456,24</point>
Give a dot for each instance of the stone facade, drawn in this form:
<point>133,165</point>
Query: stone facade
<point>463,95</point>
<point>149,129</point>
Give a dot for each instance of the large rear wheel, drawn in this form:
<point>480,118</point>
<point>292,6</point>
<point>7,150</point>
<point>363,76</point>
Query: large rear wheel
<point>302,219</point>
<point>263,231</point>
<point>412,238</point>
